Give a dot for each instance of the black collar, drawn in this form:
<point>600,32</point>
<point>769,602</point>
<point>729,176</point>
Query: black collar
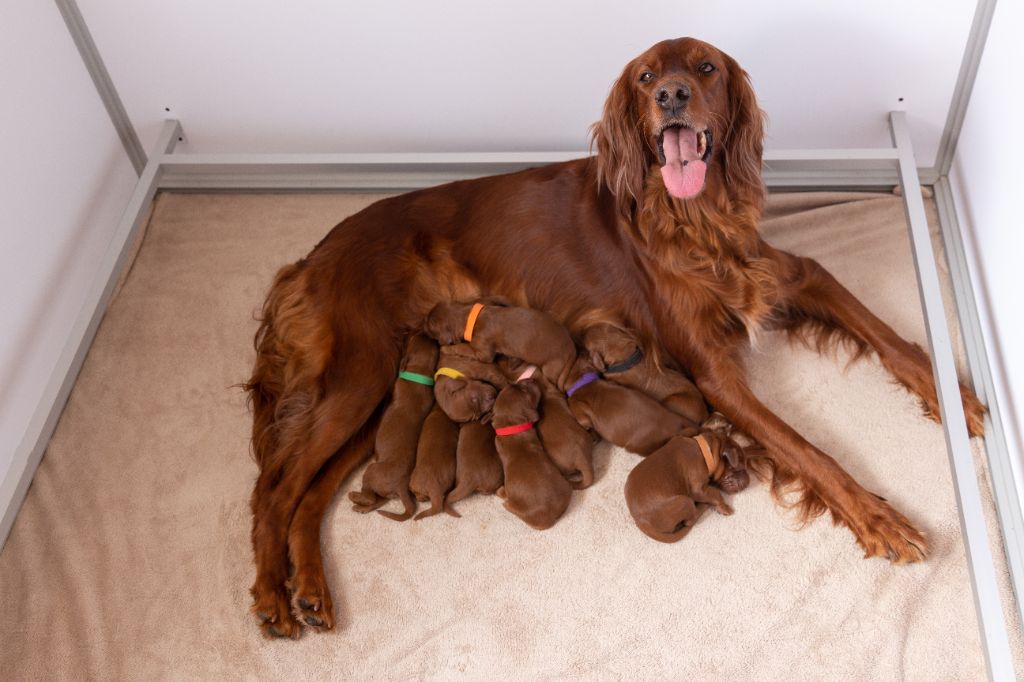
<point>629,363</point>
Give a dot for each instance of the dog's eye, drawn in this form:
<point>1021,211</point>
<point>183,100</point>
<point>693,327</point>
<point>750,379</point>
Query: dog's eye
<point>706,67</point>
<point>646,77</point>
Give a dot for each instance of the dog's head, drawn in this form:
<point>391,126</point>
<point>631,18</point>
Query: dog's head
<point>518,403</point>
<point>465,400</point>
<point>445,323</point>
<point>609,344</point>
<point>687,109</point>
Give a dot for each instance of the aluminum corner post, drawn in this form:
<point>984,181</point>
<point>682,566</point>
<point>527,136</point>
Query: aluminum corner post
<point>988,605</point>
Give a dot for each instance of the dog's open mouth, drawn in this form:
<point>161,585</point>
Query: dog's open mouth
<point>684,154</point>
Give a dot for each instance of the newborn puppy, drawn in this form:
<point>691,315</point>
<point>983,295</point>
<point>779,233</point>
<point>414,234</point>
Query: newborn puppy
<point>569,445</point>
<point>434,474</point>
<point>617,354</point>
<point>531,335</point>
<point>534,489</point>
<point>477,465</point>
<point>669,490</point>
<point>619,414</point>
<point>399,431</point>
<point>466,388</point>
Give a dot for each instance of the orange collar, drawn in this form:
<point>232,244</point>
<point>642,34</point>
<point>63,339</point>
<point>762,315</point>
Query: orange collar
<point>705,449</point>
<point>474,313</point>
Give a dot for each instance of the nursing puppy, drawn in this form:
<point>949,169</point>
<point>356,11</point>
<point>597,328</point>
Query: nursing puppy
<point>617,354</point>
<point>477,465</point>
<point>619,414</point>
<point>569,445</point>
<point>399,432</point>
<point>524,333</point>
<point>434,474</point>
<point>668,491</point>
<point>466,388</point>
<point>534,489</point>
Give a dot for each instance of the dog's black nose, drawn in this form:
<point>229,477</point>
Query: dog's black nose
<point>673,96</point>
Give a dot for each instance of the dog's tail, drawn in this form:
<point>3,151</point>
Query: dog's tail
<point>293,345</point>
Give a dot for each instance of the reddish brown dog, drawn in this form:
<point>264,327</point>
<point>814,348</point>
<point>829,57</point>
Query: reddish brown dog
<point>530,335</point>
<point>618,355</point>
<point>434,474</point>
<point>400,425</point>
<point>668,491</point>
<point>657,232</point>
<point>471,396</point>
<point>477,465</point>
<point>534,489</point>
<point>619,414</point>
<point>568,444</point>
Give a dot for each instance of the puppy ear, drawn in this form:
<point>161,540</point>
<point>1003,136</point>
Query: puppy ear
<point>733,454</point>
<point>744,139</point>
<point>597,360</point>
<point>622,156</point>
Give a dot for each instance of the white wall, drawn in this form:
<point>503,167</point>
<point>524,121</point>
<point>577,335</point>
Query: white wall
<point>64,181</point>
<point>986,180</point>
<point>530,75</point>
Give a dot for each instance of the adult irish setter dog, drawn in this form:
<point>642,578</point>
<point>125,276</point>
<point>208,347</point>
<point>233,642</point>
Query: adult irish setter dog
<point>657,232</point>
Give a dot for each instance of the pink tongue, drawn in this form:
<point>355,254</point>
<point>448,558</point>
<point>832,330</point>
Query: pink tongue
<point>683,172</point>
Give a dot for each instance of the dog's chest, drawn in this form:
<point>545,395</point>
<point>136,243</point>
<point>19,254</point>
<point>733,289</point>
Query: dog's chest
<point>727,294</point>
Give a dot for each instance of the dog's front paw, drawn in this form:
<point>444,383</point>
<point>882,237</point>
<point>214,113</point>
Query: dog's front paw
<point>884,532</point>
<point>974,411</point>
<point>274,613</point>
<point>312,598</point>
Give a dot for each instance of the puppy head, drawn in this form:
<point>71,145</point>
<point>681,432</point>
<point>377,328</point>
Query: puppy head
<point>734,457</point>
<point>465,400</point>
<point>420,354</point>
<point>517,403</point>
<point>609,344</point>
<point>441,324</point>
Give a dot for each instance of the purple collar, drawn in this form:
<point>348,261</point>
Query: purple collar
<point>587,378</point>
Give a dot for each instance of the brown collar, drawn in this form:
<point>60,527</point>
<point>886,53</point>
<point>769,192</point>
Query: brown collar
<point>709,457</point>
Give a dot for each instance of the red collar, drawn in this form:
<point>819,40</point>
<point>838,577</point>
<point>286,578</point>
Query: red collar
<point>512,430</point>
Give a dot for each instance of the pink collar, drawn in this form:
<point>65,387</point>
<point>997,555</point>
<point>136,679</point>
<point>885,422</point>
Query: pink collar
<point>527,373</point>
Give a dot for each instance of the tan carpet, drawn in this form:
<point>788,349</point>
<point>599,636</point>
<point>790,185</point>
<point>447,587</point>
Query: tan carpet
<point>131,560</point>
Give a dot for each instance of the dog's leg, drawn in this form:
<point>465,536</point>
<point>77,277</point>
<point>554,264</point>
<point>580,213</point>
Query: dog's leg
<point>879,529</point>
<point>338,416</point>
<point>310,593</point>
<point>813,298</point>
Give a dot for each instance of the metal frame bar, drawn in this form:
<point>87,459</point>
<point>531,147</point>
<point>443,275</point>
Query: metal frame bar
<point>972,518</point>
<point>1004,486</point>
<point>29,452</point>
<point>968,73</point>
<point>104,85</point>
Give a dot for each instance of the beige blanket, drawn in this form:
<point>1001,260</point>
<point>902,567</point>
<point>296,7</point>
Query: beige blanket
<point>131,559</point>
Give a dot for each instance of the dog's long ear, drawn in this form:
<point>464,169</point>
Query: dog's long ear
<point>744,138</point>
<point>621,152</point>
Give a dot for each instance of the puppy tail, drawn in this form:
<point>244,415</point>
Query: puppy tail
<point>437,506</point>
<point>407,502</point>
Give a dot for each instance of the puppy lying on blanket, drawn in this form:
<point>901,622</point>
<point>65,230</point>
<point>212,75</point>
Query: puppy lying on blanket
<point>534,489</point>
<point>477,465</point>
<point>619,414</point>
<point>434,474</point>
<point>668,491</point>
<point>569,445</point>
<point>530,335</point>
<point>617,354</point>
<point>399,432</point>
